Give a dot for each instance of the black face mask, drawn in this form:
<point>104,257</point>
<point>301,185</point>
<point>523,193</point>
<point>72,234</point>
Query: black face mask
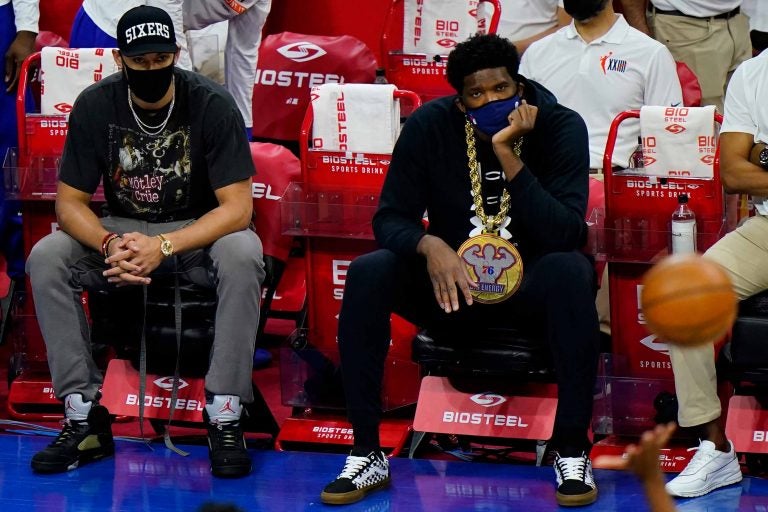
<point>151,84</point>
<point>582,10</point>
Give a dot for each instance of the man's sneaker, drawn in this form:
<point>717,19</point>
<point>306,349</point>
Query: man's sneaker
<point>707,470</point>
<point>226,442</point>
<point>80,441</point>
<point>360,476</point>
<point>575,484</point>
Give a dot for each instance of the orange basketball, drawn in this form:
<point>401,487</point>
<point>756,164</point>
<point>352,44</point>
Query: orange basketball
<point>688,300</point>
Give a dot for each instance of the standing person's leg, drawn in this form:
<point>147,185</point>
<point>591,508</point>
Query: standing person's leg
<point>86,34</point>
<point>741,253</point>
<point>10,218</point>
<point>376,285</point>
<point>234,264</point>
<point>59,267</point>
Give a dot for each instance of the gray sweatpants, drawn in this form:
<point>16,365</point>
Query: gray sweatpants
<point>60,268</point>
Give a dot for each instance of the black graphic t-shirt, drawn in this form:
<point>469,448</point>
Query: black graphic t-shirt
<point>164,177</point>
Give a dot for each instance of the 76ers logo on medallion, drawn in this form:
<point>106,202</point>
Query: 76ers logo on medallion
<point>496,266</point>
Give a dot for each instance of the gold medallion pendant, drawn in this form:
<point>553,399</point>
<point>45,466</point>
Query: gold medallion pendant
<point>491,260</point>
<point>495,264</point>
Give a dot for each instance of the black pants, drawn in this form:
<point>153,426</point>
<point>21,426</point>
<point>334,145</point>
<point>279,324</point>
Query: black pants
<point>557,297</point>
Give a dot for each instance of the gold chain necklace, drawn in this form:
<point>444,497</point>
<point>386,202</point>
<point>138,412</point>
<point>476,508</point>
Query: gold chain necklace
<point>492,222</point>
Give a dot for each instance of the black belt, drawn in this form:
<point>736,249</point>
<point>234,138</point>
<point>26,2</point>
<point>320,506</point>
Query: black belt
<point>723,16</point>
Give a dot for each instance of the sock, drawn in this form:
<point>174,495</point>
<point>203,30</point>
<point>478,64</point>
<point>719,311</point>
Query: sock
<point>224,408</point>
<point>75,409</point>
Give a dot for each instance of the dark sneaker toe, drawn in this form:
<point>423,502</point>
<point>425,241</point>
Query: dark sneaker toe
<point>341,492</point>
<point>231,465</point>
<point>575,493</point>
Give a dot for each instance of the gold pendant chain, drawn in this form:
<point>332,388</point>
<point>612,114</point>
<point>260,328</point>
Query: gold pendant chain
<point>493,222</point>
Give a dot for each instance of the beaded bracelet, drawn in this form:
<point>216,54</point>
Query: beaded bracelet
<point>105,243</point>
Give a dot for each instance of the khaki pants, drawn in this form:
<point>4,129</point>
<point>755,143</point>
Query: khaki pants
<point>712,48</point>
<point>742,253</point>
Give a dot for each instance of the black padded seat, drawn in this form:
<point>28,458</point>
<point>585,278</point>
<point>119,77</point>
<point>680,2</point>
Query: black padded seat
<point>745,357</point>
<point>486,351</point>
<point>117,319</point>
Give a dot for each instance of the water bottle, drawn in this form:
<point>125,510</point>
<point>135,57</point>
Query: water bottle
<point>683,227</point>
<point>380,78</point>
<point>636,158</point>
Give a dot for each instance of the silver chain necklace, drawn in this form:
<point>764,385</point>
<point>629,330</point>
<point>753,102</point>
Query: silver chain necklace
<point>148,128</point>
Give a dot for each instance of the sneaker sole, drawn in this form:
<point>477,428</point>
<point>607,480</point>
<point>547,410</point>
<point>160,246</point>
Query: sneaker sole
<point>85,458</point>
<point>576,500</point>
<point>695,494</point>
<point>335,498</point>
<point>231,471</point>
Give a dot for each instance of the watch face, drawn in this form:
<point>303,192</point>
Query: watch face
<point>762,158</point>
<point>166,247</point>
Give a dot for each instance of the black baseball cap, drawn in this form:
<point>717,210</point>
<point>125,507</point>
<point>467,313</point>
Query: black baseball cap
<point>145,29</point>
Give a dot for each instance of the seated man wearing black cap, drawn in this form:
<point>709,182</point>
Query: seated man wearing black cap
<point>171,151</point>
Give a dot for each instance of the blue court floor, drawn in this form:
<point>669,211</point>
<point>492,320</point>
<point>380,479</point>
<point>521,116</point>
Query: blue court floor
<point>139,479</point>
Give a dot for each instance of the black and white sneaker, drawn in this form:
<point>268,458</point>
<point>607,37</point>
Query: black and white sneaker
<point>575,484</point>
<point>360,476</point>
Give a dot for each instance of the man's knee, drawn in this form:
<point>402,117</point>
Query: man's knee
<point>569,267</point>
<point>375,270</point>
<point>240,253</point>
<point>48,252</point>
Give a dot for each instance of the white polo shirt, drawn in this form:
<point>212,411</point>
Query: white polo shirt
<point>521,19</point>
<point>757,10</point>
<point>622,70</point>
<point>744,106</point>
<point>26,14</point>
<point>698,8</point>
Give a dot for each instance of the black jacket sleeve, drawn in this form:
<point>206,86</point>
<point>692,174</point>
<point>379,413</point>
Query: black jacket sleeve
<point>397,223</point>
<point>552,205</point>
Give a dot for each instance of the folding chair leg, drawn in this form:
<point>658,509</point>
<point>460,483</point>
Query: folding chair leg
<point>417,438</point>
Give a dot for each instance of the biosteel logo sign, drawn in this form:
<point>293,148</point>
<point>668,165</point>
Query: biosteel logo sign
<point>657,346</point>
<point>302,51</point>
<point>488,399</point>
<point>166,383</point>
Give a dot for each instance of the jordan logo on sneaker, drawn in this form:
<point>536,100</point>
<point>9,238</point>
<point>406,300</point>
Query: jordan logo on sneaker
<point>227,407</point>
<point>68,405</point>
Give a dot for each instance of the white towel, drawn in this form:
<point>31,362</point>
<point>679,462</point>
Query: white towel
<point>359,118</point>
<point>434,27</point>
<point>67,71</point>
<point>678,141</point>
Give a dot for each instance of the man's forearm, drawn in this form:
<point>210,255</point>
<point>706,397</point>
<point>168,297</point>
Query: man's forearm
<point>81,223</point>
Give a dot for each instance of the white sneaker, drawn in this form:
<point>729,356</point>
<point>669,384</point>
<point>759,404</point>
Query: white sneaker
<point>707,470</point>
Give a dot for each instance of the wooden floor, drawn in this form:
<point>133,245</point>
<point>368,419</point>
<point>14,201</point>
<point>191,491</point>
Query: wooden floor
<point>140,479</point>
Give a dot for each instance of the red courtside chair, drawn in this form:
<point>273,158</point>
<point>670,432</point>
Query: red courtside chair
<point>332,209</point>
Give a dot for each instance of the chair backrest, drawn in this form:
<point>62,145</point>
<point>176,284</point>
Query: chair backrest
<point>290,65</point>
<point>690,85</point>
<point>419,34</point>
<point>276,167</point>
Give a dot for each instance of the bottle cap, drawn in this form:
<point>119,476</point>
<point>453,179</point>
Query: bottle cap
<point>682,198</point>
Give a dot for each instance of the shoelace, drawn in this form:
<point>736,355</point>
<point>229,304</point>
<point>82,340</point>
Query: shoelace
<point>352,467</point>
<point>699,459</point>
<point>572,468</point>
<point>228,434</point>
<point>66,433</point>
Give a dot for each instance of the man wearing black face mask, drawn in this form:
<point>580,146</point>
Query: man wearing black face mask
<point>170,149</point>
<point>500,169</point>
